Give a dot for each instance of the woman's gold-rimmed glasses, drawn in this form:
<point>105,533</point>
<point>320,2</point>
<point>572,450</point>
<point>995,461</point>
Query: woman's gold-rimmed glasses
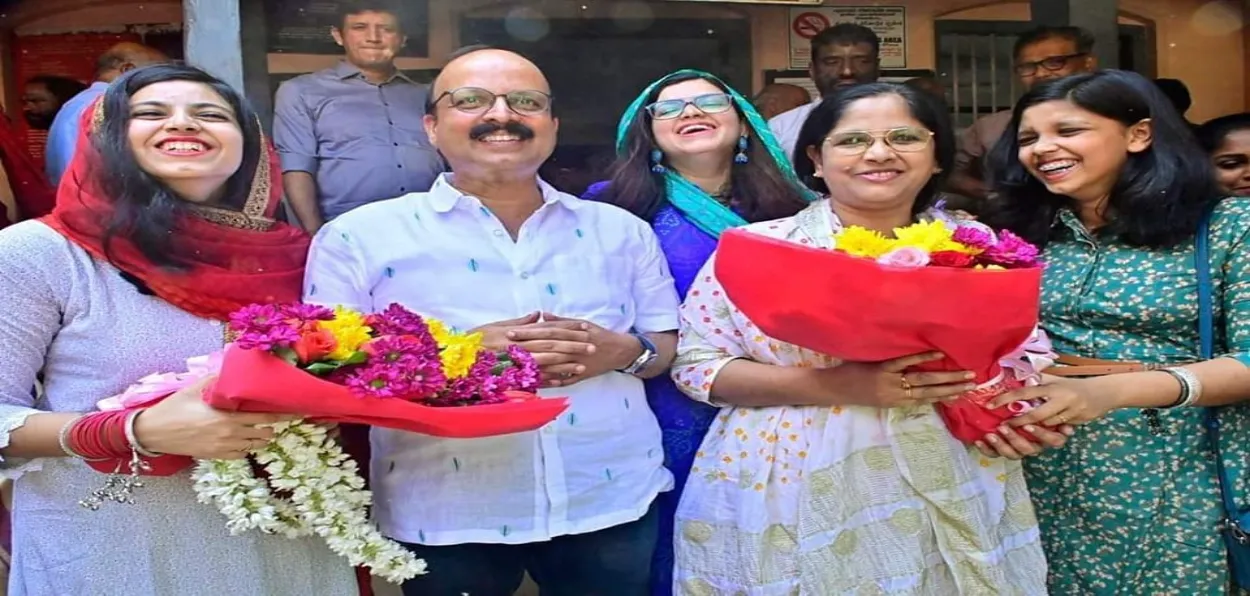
<point>905,139</point>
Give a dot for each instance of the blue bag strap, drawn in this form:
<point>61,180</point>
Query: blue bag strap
<point>1206,335</point>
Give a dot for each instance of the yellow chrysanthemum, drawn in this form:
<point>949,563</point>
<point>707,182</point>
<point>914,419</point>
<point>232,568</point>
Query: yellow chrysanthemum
<point>349,330</point>
<point>862,242</point>
<point>459,353</point>
<point>439,330</point>
<point>931,237</point>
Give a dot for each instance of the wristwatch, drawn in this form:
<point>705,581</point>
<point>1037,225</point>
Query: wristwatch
<point>648,356</point>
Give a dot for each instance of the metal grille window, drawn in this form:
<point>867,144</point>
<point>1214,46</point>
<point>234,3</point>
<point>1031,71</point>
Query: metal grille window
<point>975,63</point>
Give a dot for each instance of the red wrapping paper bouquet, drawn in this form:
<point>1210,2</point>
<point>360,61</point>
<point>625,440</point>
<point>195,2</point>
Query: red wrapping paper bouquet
<point>393,369</point>
<point>955,287</point>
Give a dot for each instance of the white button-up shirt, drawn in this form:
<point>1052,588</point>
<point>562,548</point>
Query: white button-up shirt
<point>787,125</point>
<point>443,254</point>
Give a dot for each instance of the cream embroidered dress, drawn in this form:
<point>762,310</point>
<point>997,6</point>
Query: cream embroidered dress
<point>820,501</point>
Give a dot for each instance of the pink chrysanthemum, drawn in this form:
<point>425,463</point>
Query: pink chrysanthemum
<point>416,371</point>
<point>376,380</point>
<point>479,386</point>
<point>262,327</point>
<point>974,235</point>
<point>389,349</point>
<point>397,320</point>
<point>306,312</point>
<point>523,373</point>
<point>1011,251</point>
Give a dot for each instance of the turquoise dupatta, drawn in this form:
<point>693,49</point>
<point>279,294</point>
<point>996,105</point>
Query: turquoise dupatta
<point>704,211</point>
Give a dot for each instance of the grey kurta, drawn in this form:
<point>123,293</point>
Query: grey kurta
<point>93,334</point>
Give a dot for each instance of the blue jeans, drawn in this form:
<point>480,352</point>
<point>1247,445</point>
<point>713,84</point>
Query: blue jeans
<point>611,562</point>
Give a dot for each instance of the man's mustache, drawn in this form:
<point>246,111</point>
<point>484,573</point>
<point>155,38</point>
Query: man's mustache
<point>521,131</point>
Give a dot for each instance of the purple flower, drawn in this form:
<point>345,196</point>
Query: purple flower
<point>413,369</point>
<point>479,386</point>
<point>1011,251</point>
<point>397,320</point>
<point>975,234</point>
<point>376,380</point>
<point>306,312</point>
<point>522,374</point>
<point>423,377</point>
<point>389,349</point>
<point>263,327</point>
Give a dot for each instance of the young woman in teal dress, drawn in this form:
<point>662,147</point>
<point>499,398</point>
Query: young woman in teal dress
<point>694,159</point>
<point>1100,171</point>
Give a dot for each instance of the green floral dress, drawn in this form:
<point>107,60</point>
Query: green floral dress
<point>1130,505</point>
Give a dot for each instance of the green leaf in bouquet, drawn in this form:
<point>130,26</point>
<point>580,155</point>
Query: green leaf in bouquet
<point>322,368</point>
<point>287,355</point>
<point>358,358</point>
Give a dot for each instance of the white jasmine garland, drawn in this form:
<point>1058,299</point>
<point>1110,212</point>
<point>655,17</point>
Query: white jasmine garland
<point>327,498</point>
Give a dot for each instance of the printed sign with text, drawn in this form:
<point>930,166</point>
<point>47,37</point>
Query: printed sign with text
<point>888,22</point>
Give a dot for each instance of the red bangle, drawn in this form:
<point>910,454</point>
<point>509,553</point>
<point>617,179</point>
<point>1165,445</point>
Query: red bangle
<point>100,435</point>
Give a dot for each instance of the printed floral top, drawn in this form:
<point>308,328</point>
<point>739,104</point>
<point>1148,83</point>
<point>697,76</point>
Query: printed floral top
<point>826,501</point>
<point>1130,505</point>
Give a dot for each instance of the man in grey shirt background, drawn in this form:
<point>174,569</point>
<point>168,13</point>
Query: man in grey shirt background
<point>353,134</point>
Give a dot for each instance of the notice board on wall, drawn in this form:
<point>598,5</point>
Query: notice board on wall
<point>71,55</point>
<point>888,22</point>
<point>303,26</point>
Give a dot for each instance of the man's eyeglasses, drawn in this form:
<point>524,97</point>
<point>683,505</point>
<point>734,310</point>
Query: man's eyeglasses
<point>906,139</point>
<point>711,103</point>
<point>473,100</point>
<point>1052,64</point>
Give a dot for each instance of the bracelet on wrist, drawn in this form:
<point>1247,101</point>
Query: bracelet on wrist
<point>1191,387</point>
<point>132,439</point>
<point>64,441</point>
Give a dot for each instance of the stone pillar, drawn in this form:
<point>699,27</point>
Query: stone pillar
<point>228,39</point>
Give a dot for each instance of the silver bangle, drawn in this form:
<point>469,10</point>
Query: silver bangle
<point>1191,387</point>
<point>132,439</point>
<point>62,439</point>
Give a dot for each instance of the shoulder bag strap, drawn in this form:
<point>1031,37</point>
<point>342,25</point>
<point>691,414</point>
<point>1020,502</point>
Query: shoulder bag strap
<point>1206,334</point>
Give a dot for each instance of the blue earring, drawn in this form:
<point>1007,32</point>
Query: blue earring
<point>741,157</point>
<point>656,166</point>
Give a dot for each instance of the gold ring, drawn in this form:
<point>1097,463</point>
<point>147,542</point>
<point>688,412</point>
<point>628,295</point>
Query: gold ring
<point>1063,419</point>
<point>906,386</point>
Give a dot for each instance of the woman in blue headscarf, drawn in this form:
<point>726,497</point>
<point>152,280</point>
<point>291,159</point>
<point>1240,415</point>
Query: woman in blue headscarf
<point>694,159</point>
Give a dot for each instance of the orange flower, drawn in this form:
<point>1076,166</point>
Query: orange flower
<point>314,345</point>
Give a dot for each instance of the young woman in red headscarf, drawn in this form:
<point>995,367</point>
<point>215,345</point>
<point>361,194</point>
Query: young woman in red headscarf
<point>31,191</point>
<point>163,226</point>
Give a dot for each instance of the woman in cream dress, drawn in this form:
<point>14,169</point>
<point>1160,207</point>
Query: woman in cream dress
<point>824,478</point>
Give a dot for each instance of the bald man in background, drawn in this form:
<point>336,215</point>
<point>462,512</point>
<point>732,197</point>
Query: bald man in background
<point>777,98</point>
<point>63,136</point>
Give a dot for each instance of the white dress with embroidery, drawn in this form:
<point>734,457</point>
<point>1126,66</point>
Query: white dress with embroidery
<point>821,501</point>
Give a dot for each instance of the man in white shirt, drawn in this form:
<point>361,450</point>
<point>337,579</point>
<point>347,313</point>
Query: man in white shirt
<point>842,55</point>
<point>582,285</point>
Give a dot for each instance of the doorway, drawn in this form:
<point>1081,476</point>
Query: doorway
<point>596,67</point>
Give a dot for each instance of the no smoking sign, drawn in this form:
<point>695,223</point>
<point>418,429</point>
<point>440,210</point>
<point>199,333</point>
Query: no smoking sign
<point>808,24</point>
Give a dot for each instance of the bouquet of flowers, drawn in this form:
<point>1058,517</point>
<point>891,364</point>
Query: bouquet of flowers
<point>394,369</point>
<point>955,287</point>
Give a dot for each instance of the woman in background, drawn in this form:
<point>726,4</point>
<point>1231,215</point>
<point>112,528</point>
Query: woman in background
<point>695,159</point>
<point>1227,140</point>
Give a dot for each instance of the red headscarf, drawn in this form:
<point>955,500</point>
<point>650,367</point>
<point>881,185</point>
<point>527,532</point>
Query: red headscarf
<point>31,191</point>
<point>234,258</point>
